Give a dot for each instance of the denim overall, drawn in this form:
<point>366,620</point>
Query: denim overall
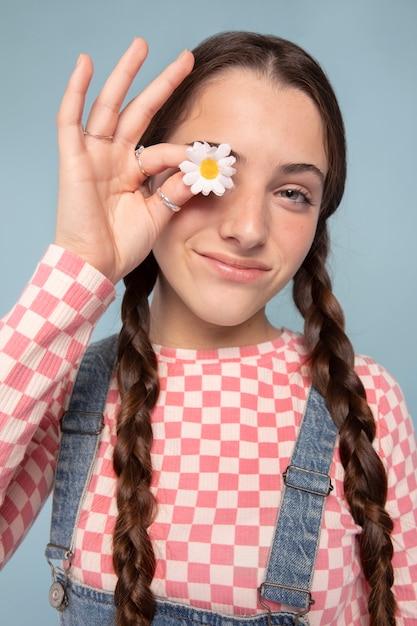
<point>293,553</point>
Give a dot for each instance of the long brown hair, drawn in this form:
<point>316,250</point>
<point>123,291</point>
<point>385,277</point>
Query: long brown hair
<point>331,353</point>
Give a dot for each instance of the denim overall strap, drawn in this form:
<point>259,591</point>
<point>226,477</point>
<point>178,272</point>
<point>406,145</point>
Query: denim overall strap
<point>307,484</point>
<point>81,425</point>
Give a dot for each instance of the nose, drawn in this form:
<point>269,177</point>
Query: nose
<point>244,217</point>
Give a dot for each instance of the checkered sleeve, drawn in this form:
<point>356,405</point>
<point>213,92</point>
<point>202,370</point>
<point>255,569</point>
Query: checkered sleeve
<point>397,447</point>
<point>42,340</point>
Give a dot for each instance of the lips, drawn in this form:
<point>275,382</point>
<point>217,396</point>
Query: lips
<point>233,268</point>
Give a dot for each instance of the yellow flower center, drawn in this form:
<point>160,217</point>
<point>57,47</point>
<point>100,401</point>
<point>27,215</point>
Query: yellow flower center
<point>209,168</point>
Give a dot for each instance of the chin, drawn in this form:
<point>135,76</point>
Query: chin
<point>223,318</point>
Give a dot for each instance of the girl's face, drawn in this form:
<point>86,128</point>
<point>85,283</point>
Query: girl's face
<point>222,259</point>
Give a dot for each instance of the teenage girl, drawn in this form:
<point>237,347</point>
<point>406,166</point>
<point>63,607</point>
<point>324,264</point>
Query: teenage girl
<point>205,404</point>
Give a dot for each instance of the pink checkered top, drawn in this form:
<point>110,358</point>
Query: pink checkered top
<point>224,428</point>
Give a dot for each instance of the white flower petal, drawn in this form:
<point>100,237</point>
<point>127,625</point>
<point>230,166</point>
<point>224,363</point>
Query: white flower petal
<point>223,150</point>
<point>226,161</point>
<point>198,151</point>
<point>227,171</point>
<point>191,177</point>
<point>207,186</point>
<point>192,156</point>
<point>218,188</point>
<point>188,166</point>
<point>197,187</point>
<point>211,153</point>
<point>226,181</point>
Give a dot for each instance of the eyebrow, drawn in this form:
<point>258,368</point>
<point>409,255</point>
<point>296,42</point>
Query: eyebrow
<point>287,168</point>
<point>296,168</point>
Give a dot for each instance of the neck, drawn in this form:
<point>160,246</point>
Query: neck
<point>174,325</point>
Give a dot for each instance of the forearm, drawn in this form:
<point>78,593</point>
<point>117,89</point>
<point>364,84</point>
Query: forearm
<point>42,340</point>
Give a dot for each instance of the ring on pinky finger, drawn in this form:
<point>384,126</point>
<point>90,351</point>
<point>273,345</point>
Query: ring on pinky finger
<point>173,207</point>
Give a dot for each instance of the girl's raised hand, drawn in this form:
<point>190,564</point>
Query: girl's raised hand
<point>103,216</point>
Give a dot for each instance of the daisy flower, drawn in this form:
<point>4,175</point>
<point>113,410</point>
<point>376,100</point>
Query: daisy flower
<point>209,168</point>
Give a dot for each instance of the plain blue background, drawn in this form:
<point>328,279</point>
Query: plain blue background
<point>369,50</point>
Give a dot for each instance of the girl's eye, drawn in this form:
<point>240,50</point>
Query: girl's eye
<point>295,195</point>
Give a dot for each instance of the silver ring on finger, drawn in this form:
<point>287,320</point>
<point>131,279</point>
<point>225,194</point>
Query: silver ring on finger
<point>138,152</point>
<point>167,201</point>
<point>96,135</point>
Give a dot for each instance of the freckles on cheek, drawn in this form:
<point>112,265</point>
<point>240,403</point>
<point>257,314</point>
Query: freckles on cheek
<point>298,241</point>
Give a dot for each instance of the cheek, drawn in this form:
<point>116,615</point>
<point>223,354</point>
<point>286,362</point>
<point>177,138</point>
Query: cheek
<point>307,236</point>
<point>164,246</point>
<point>295,237</point>
<point>181,227</point>
<point>196,215</point>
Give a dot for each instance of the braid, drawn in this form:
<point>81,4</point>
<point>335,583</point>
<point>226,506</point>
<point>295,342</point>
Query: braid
<point>365,482</point>
<point>133,556</point>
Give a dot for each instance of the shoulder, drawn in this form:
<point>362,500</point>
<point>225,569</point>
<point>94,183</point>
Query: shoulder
<point>395,428</point>
<point>382,389</point>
